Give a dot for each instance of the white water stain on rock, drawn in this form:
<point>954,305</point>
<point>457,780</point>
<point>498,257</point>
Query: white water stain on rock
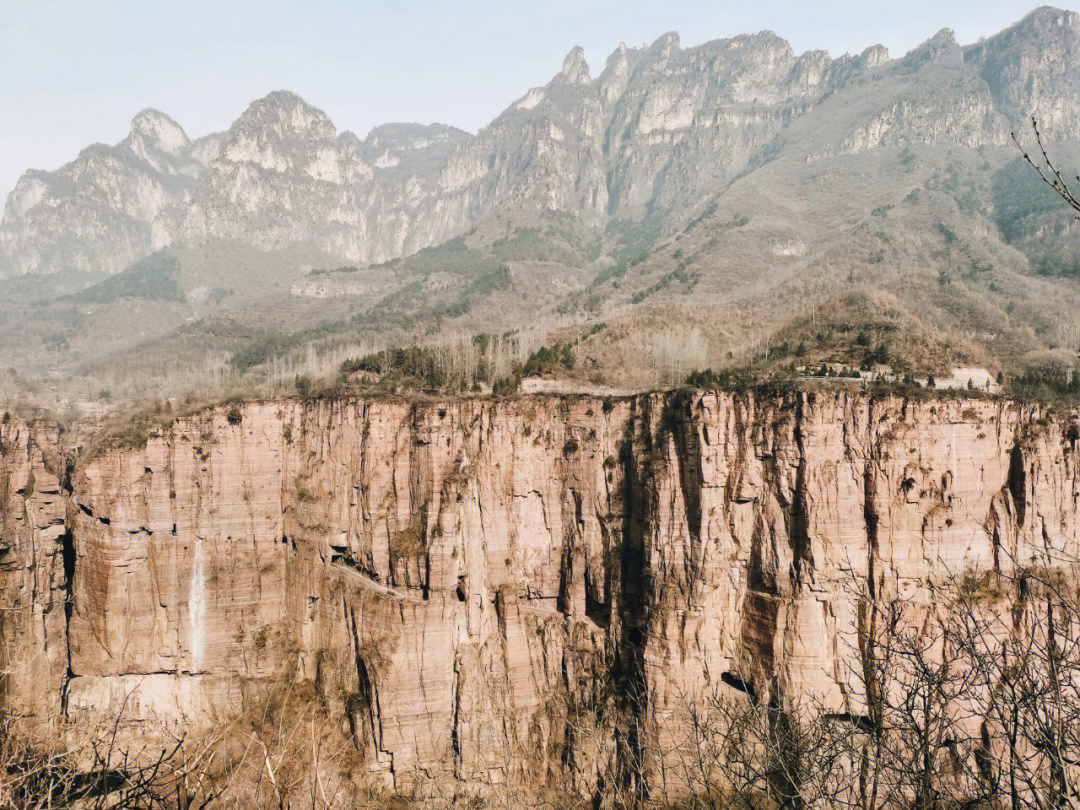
<point>197,608</point>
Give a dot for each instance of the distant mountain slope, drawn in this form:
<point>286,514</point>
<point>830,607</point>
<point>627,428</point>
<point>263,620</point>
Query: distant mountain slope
<point>660,127</point>
<point>707,206</point>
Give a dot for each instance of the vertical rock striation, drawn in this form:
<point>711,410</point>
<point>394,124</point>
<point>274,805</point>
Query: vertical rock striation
<point>465,582</point>
<point>36,559</point>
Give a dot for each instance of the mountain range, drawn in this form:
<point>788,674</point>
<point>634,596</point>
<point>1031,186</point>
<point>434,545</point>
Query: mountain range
<point>726,196</point>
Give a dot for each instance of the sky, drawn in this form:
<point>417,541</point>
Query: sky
<point>75,72</point>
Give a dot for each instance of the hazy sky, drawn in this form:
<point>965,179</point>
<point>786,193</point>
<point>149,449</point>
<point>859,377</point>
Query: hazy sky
<point>74,71</point>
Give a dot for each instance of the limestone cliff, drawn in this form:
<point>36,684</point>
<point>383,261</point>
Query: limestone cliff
<point>661,127</point>
<point>461,579</point>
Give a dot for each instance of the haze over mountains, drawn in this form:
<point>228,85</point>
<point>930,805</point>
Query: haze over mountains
<point>730,187</point>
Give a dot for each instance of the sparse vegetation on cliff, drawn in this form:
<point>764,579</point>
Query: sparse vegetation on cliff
<point>405,545</point>
<point>992,722</point>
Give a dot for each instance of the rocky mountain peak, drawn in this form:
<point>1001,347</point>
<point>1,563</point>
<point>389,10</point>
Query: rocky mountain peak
<point>661,126</point>
<point>874,56</point>
<point>388,145</point>
<point>1042,28</point>
<point>285,113</point>
<point>575,69</point>
<point>1047,17</point>
<point>159,131</point>
<point>616,63</point>
<point>415,136</point>
<point>941,45</point>
<point>1033,67</point>
<point>666,45</point>
<point>616,73</point>
<point>281,132</point>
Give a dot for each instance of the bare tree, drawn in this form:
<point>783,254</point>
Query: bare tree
<point>1046,169</point>
<point>99,771</point>
<point>1026,651</point>
<point>284,752</point>
<point>743,750</point>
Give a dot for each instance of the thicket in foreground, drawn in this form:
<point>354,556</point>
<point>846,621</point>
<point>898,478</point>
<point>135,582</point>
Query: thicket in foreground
<point>967,696</point>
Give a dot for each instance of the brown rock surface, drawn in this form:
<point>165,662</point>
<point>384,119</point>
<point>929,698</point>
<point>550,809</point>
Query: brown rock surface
<point>33,581</point>
<point>459,578</point>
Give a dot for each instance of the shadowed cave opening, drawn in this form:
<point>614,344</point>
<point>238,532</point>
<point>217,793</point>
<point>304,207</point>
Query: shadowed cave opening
<point>736,682</point>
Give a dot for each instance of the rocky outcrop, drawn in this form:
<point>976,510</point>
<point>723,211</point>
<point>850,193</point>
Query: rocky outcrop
<point>464,582</point>
<point>36,559</point>
<point>107,208</point>
<point>660,128</point>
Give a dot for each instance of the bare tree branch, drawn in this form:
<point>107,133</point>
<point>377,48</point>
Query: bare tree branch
<point>1046,169</point>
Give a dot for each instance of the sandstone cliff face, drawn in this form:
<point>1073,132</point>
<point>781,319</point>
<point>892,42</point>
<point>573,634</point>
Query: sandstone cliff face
<point>36,555</point>
<point>459,580</point>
